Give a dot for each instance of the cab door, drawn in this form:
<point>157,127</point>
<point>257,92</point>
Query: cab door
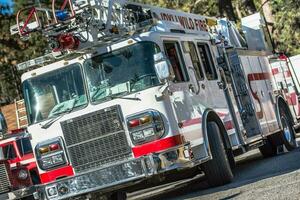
<point>211,83</point>
<point>183,92</point>
<point>213,87</point>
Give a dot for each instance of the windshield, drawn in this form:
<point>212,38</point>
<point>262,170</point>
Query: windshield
<point>54,93</point>
<point>24,146</point>
<point>122,71</point>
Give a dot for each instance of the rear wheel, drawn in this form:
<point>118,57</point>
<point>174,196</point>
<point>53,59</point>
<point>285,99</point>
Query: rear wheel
<point>288,134</point>
<point>217,170</point>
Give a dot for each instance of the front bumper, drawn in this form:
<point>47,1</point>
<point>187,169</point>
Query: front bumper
<point>118,175</point>
<point>18,194</point>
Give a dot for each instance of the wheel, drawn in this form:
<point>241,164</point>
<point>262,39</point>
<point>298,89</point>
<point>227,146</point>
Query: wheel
<point>268,149</point>
<point>288,134</point>
<point>217,170</point>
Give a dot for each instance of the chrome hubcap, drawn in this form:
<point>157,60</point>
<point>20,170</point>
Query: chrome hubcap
<point>287,134</point>
<point>286,131</point>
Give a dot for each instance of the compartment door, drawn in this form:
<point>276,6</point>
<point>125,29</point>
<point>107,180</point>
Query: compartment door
<point>246,106</point>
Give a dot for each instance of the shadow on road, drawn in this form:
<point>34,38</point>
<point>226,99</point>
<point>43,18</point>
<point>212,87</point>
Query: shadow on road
<point>250,169</point>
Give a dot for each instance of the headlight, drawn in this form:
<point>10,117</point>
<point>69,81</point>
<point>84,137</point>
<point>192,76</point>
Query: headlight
<point>22,174</point>
<point>52,161</point>
<point>145,127</point>
<point>51,154</point>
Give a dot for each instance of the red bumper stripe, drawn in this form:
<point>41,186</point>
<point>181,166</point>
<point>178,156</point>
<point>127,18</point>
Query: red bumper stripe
<point>57,173</point>
<point>157,145</point>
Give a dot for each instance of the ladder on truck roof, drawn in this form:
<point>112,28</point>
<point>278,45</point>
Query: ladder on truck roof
<point>80,24</point>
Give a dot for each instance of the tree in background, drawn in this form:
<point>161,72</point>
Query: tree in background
<point>12,51</point>
<point>287,25</point>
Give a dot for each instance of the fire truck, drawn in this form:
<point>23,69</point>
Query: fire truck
<point>130,92</point>
<point>18,170</point>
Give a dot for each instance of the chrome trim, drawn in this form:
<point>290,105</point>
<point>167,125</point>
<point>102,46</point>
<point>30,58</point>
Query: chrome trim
<point>18,194</point>
<point>120,174</point>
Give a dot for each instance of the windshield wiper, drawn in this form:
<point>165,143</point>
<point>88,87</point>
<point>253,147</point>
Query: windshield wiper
<point>119,96</point>
<point>49,123</point>
<point>93,97</point>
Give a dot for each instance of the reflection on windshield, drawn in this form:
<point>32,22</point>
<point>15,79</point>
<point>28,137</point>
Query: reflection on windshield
<point>54,93</point>
<point>121,72</point>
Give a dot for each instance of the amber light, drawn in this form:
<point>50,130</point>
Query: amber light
<point>44,150</point>
<point>145,119</point>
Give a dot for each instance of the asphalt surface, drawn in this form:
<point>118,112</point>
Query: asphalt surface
<point>255,178</point>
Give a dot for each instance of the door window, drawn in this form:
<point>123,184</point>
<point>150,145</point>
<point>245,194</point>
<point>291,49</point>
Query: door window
<point>195,60</point>
<point>175,56</point>
<point>9,152</point>
<point>207,61</point>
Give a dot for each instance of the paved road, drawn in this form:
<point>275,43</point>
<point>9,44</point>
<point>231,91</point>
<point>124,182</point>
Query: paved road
<point>255,178</point>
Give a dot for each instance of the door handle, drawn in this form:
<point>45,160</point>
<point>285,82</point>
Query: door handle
<point>202,86</point>
<point>192,88</point>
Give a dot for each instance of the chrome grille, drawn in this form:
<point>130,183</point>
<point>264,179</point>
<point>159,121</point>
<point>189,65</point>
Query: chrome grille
<point>96,139</point>
<point>4,179</point>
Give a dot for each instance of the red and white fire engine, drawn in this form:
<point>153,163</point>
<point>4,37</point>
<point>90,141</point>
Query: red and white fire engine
<point>18,170</point>
<point>132,91</point>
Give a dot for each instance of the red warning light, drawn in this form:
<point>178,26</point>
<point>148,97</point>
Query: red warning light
<point>67,41</point>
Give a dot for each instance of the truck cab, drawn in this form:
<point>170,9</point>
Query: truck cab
<point>17,165</point>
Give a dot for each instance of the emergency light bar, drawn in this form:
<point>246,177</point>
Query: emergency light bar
<point>38,61</point>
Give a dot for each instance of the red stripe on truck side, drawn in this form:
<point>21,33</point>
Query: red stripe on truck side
<point>157,145</point>
<point>259,76</point>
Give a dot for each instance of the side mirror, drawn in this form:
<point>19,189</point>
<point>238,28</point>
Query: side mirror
<point>162,67</point>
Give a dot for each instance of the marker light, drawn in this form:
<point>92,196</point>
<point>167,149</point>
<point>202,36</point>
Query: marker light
<point>44,150</point>
<point>134,123</point>
<point>54,147</point>
<point>145,119</point>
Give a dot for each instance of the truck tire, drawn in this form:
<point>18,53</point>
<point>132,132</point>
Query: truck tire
<point>268,149</point>
<point>288,134</point>
<point>217,170</point>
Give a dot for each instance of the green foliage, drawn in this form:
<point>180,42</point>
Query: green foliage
<point>13,51</point>
<point>287,25</point>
